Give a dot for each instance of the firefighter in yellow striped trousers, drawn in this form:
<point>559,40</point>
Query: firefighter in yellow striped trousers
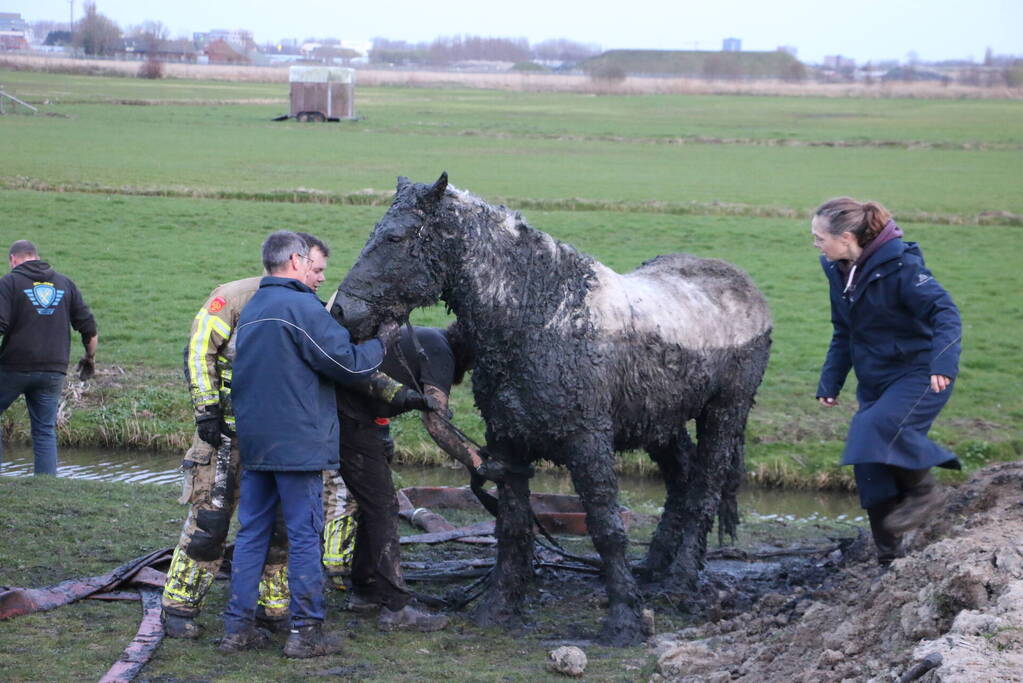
<point>339,510</point>
<point>211,470</point>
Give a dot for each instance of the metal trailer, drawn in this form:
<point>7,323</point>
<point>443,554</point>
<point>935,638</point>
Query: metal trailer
<point>321,93</point>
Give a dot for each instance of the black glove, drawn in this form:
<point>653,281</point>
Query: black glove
<point>208,427</point>
<point>86,368</point>
<point>387,333</point>
<point>410,399</point>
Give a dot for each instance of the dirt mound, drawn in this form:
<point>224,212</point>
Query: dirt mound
<point>958,595</point>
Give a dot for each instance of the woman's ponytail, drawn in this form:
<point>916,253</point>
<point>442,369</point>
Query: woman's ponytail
<point>865,220</point>
<point>875,217</point>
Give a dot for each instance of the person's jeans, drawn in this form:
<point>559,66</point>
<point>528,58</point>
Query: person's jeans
<point>376,567</point>
<point>300,497</point>
<point>42,396</point>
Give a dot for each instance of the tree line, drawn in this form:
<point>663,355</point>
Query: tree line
<point>452,49</point>
<point>97,34</point>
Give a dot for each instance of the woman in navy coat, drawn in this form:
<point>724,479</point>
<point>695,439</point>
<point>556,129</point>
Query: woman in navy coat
<point>900,331</point>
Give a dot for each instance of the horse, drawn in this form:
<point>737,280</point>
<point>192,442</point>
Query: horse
<point>575,362</point>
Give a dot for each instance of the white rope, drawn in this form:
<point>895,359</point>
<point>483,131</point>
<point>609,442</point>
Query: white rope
<point>898,429</point>
<point>318,347</point>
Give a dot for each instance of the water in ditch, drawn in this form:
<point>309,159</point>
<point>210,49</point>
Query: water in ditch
<point>644,494</point>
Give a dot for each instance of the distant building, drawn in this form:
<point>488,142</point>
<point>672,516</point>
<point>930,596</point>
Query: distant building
<point>789,50</point>
<point>14,32</point>
<point>239,40</point>
<point>839,63</point>
<point>11,22</point>
<point>362,47</point>
<point>913,74</point>
<point>287,46</point>
<point>221,52</point>
<point>731,45</point>
<point>235,37</point>
<point>163,50</point>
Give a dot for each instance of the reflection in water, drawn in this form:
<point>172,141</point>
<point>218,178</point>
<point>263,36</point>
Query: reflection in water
<point>99,465</point>
<point>643,494</point>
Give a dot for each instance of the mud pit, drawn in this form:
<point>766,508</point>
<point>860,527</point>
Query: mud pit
<point>957,594</point>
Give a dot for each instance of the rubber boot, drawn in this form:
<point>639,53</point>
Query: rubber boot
<point>920,500</point>
<point>311,641</point>
<point>177,626</point>
<point>251,638</point>
<point>359,602</point>
<point>408,618</point>
<point>889,546</point>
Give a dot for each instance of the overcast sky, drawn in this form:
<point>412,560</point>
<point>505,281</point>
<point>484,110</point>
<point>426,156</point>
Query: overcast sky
<point>862,29</point>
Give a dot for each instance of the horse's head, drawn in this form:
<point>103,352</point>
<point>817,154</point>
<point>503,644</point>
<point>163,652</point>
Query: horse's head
<point>404,264</point>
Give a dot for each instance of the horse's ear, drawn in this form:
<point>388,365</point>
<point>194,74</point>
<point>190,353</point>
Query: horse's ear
<point>403,182</point>
<point>437,191</point>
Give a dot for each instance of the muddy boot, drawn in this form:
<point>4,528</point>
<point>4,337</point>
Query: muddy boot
<point>310,641</point>
<point>408,618</point>
<point>358,602</point>
<point>889,546</point>
<point>918,504</point>
<point>176,626</point>
<point>271,624</point>
<point>251,638</point>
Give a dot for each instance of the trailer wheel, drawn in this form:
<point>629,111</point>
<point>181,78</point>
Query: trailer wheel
<point>305,116</point>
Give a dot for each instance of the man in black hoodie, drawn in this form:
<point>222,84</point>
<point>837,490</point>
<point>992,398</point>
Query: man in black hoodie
<point>38,306</point>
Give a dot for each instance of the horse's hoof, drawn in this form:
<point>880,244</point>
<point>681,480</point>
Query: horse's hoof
<point>622,635</point>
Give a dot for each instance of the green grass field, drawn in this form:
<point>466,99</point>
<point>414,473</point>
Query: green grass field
<point>146,262</point>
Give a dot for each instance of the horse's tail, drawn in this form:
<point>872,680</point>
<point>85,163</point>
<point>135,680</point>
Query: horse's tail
<point>728,506</point>
<point>728,517</point>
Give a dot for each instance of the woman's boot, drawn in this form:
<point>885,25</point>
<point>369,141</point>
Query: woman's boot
<point>889,545</point>
<point>920,499</point>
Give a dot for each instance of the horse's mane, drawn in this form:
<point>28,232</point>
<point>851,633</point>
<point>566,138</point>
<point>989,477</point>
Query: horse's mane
<point>513,276</point>
<point>506,228</point>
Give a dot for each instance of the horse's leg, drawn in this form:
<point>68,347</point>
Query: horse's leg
<point>672,459</point>
<point>591,462</point>
<point>718,453</point>
<point>502,603</point>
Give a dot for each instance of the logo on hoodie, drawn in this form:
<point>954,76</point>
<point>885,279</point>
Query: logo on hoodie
<point>44,296</point>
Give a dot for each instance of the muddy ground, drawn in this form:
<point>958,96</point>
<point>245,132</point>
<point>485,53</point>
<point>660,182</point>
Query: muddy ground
<point>956,598</point>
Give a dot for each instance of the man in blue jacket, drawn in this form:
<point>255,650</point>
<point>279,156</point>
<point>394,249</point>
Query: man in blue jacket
<point>289,354</point>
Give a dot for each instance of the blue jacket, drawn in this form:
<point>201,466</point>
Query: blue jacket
<point>289,354</point>
<point>898,320</point>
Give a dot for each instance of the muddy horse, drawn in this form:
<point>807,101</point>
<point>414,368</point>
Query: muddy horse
<point>574,363</point>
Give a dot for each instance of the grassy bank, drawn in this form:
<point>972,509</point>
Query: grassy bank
<point>149,194</point>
